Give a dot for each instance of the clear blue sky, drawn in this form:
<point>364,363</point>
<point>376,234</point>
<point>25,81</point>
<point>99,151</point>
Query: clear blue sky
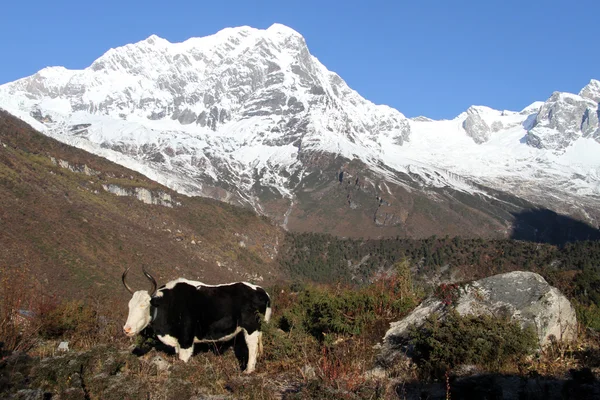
<point>423,57</point>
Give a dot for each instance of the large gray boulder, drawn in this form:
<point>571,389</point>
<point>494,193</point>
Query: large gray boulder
<point>523,296</point>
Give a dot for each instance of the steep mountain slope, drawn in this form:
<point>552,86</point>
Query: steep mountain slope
<point>250,117</point>
<point>72,221</point>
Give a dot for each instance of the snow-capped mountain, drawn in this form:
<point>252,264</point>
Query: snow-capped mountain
<point>249,116</point>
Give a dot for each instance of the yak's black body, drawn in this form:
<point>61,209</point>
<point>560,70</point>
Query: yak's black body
<point>207,313</point>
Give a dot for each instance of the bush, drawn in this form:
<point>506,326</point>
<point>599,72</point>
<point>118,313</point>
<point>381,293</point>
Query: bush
<point>588,315</point>
<point>18,327</point>
<point>448,293</point>
<point>489,342</point>
<point>347,311</point>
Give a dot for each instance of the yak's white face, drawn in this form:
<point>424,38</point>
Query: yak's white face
<point>139,313</point>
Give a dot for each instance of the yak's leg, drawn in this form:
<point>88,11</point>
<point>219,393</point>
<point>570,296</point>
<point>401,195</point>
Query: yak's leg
<point>252,343</point>
<point>260,344</point>
<point>186,354</point>
<point>186,341</point>
<point>170,341</point>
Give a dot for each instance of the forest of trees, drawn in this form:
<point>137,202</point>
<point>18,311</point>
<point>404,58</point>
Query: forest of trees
<point>574,267</point>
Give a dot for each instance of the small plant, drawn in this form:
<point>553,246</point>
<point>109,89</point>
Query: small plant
<point>448,293</point>
<point>588,315</point>
<point>556,358</point>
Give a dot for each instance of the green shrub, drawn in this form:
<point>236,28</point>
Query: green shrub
<point>489,342</point>
<point>588,315</point>
<point>324,313</point>
<point>293,347</point>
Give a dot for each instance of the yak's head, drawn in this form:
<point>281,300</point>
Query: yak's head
<point>139,307</point>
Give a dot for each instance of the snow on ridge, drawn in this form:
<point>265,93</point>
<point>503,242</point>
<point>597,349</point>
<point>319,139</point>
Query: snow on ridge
<point>532,108</point>
<point>129,99</point>
<point>570,97</point>
<point>278,28</point>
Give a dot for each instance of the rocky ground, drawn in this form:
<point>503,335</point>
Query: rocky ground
<point>108,372</point>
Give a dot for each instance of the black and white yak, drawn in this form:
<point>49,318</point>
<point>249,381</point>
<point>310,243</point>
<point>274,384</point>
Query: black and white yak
<point>184,312</point>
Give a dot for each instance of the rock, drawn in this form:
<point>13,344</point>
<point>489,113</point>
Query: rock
<point>186,117</point>
<point>29,394</point>
<point>476,127</point>
<point>308,371</point>
<point>63,346</point>
<point>497,126</point>
<point>523,296</point>
<point>467,370</point>
<point>161,363</point>
<point>563,119</point>
<point>376,373</point>
<point>591,91</point>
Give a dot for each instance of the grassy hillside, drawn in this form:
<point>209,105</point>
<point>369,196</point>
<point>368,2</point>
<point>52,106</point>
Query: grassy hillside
<point>67,234</point>
<point>64,233</point>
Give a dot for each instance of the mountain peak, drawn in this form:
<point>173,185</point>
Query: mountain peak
<point>231,31</point>
<point>154,39</point>
<point>480,110</point>
<point>278,28</point>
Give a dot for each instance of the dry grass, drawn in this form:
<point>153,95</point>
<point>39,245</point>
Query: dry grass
<point>34,322</point>
<point>558,358</point>
<point>296,360</point>
<point>18,326</point>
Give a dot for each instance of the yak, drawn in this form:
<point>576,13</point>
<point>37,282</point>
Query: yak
<point>183,312</point>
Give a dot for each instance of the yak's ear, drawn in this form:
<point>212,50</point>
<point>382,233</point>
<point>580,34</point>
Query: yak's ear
<point>155,301</point>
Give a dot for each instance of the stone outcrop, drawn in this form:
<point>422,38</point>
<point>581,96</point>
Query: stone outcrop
<point>81,169</point>
<point>563,119</point>
<point>476,128</point>
<point>142,194</point>
<point>523,296</point>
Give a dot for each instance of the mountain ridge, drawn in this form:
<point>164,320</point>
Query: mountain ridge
<point>246,115</point>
